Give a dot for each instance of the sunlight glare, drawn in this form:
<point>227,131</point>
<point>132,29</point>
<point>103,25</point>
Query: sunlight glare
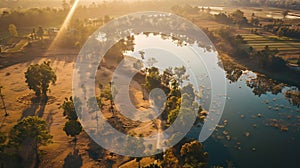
<point>64,25</point>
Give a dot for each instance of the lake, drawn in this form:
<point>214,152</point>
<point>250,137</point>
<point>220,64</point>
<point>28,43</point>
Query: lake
<point>255,130</point>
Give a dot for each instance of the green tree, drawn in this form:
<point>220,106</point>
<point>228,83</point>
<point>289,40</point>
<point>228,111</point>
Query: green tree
<point>31,128</point>
<point>167,76</point>
<point>109,93</point>
<point>170,160</point>
<point>180,73</point>
<point>172,116</point>
<point>69,109</point>
<point>73,128</point>
<point>153,79</point>
<point>2,141</point>
<point>238,17</point>
<point>135,145</point>
<point>193,155</point>
<point>153,165</point>
<point>38,78</point>
<point>189,90</point>
<point>175,90</point>
<point>12,29</point>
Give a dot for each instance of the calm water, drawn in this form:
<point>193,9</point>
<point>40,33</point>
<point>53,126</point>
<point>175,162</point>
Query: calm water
<point>266,146</point>
<point>245,137</point>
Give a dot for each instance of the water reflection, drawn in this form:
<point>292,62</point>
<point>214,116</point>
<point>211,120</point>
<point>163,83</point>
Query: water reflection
<point>260,84</point>
<point>261,120</point>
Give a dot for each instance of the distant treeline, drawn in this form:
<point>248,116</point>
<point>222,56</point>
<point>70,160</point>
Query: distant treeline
<point>281,29</point>
<point>235,45</point>
<point>32,17</point>
<point>54,16</point>
<point>286,4</point>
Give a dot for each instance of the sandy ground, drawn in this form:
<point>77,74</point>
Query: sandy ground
<point>18,97</point>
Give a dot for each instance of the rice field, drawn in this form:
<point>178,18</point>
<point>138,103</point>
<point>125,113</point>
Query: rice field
<point>288,47</point>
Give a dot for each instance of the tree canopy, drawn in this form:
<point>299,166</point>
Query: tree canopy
<point>193,154</point>
<point>72,128</point>
<point>31,127</point>
<point>38,78</point>
<point>69,109</point>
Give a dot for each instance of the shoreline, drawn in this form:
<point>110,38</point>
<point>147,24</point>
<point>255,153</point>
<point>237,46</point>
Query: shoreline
<point>289,77</point>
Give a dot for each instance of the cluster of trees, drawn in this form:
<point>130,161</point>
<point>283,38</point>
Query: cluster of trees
<point>19,21</point>
<point>237,17</point>
<point>184,10</point>
<point>72,126</point>
<point>178,95</point>
<point>280,28</point>
<point>266,57</point>
<point>32,17</point>
<point>29,132</point>
<point>287,4</point>
<point>187,153</point>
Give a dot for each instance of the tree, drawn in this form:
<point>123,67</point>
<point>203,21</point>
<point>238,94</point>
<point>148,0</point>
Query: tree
<point>109,93</point>
<point>172,116</point>
<point>180,74</point>
<point>73,128</point>
<point>2,141</point>
<point>170,160</point>
<point>94,107</point>
<point>151,61</point>
<point>153,79</point>
<point>167,76</point>
<point>142,54</point>
<point>38,78</point>
<point>12,29</point>
<point>175,90</point>
<point>69,109</point>
<point>3,102</point>
<point>31,128</point>
<point>238,17</point>
<point>189,90</point>
<point>40,33</point>
<point>254,21</point>
<point>138,65</point>
<point>285,13</point>
<point>153,165</point>
<point>135,145</point>
<point>193,155</point>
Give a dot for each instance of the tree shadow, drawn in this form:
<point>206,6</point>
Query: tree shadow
<point>32,109</point>
<point>73,160</point>
<point>49,119</point>
<point>95,151</point>
<point>42,104</point>
<point>37,108</point>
